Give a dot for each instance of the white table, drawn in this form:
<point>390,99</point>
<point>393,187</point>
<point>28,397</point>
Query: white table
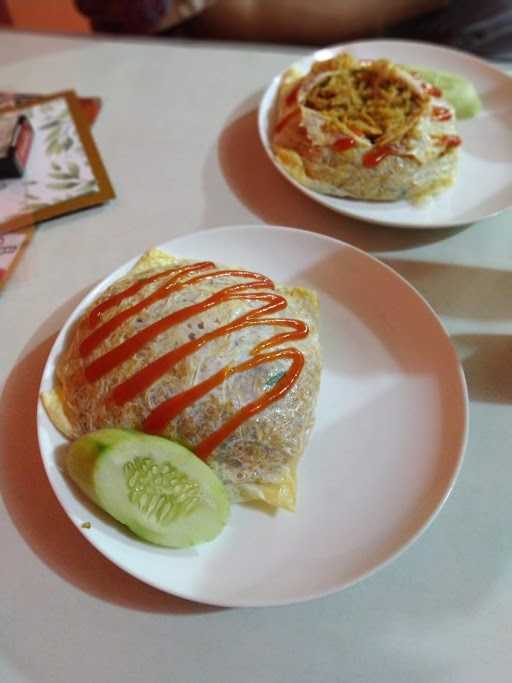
<point>443,610</point>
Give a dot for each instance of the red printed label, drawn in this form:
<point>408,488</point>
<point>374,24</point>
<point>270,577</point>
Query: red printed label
<point>24,142</point>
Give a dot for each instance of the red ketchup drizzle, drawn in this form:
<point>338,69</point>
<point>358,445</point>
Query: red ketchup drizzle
<point>285,120</point>
<point>291,98</point>
<point>441,114</point>
<point>432,90</point>
<point>101,333</point>
<point>102,365</point>
<point>157,420</point>
<point>374,156</point>
<point>451,140</point>
<point>344,144</point>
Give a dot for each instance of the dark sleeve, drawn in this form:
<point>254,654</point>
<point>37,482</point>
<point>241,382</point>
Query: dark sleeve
<point>484,28</point>
<point>124,16</point>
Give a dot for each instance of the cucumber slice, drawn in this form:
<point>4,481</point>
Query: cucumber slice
<point>458,91</point>
<point>157,488</point>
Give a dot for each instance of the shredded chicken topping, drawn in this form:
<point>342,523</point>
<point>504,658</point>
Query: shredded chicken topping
<point>377,100</point>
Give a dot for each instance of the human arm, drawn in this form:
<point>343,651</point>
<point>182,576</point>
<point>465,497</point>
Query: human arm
<point>305,21</point>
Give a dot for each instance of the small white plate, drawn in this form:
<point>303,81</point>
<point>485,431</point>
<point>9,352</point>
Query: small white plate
<point>484,183</point>
<point>387,445</point>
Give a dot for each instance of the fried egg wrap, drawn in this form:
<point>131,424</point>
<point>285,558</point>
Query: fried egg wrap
<point>257,460</point>
<point>369,130</point>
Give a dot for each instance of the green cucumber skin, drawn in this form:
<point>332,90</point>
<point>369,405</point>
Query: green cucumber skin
<point>457,90</point>
<point>96,463</point>
<point>82,457</point>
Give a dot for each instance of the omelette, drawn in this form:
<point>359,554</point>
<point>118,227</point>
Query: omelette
<point>369,130</point>
<point>218,359</point>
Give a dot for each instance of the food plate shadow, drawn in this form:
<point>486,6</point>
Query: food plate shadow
<point>34,509</point>
<point>489,204</point>
<point>260,187</point>
<point>460,291</point>
<point>486,362</point>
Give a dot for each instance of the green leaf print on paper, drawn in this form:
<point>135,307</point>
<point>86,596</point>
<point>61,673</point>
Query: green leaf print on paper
<point>63,186</point>
<point>72,173</point>
<point>58,138</point>
<point>35,206</point>
<point>50,124</point>
<point>54,147</point>
<point>63,172</point>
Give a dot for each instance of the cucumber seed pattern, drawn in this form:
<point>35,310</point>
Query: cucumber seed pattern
<point>160,491</point>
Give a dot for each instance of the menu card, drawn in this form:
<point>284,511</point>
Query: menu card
<point>63,173</point>
<point>11,247</point>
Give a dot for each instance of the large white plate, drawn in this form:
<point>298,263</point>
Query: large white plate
<point>388,442</point>
<point>484,184</point>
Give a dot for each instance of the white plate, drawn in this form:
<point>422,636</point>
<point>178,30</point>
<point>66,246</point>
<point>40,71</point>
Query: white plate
<point>388,442</point>
<point>484,184</point>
